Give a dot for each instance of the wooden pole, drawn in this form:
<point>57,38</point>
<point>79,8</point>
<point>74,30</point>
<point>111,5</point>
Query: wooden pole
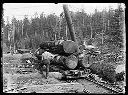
<point>69,23</point>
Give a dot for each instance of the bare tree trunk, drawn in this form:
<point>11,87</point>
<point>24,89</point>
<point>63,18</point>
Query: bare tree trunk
<point>66,32</point>
<point>103,31</point>
<point>13,40</point>
<point>102,37</point>
<point>54,29</point>
<point>108,24</point>
<point>22,28</point>
<point>91,29</point>
<point>59,28</point>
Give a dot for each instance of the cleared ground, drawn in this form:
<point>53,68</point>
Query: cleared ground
<point>35,82</point>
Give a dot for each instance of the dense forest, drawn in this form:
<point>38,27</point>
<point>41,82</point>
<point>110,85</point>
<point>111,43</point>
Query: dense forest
<point>103,29</point>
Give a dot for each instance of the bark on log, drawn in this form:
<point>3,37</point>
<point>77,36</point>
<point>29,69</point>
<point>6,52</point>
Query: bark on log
<point>61,47</point>
<point>69,62</point>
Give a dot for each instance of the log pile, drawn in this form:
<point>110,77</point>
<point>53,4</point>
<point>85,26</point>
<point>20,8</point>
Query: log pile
<point>63,53</point>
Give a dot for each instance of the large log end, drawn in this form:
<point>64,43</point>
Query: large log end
<point>71,62</point>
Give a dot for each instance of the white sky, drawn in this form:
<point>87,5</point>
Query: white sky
<point>18,10</point>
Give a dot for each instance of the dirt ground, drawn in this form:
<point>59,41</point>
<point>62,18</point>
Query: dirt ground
<point>36,82</point>
<point>33,81</point>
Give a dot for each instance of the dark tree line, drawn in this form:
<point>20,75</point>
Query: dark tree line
<point>103,29</point>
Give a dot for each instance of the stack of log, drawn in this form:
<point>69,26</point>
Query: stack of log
<point>61,52</point>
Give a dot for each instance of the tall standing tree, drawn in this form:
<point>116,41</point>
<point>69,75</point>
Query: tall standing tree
<point>115,28</point>
<point>26,27</point>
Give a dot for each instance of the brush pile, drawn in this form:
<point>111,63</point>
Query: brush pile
<point>107,71</point>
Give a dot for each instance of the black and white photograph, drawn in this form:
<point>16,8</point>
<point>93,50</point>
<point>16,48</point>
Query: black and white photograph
<point>63,48</point>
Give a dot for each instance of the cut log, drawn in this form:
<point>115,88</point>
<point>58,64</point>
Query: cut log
<point>61,47</point>
<point>69,62</point>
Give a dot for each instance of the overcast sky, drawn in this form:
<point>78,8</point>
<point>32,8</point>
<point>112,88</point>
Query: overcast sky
<point>18,10</point>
